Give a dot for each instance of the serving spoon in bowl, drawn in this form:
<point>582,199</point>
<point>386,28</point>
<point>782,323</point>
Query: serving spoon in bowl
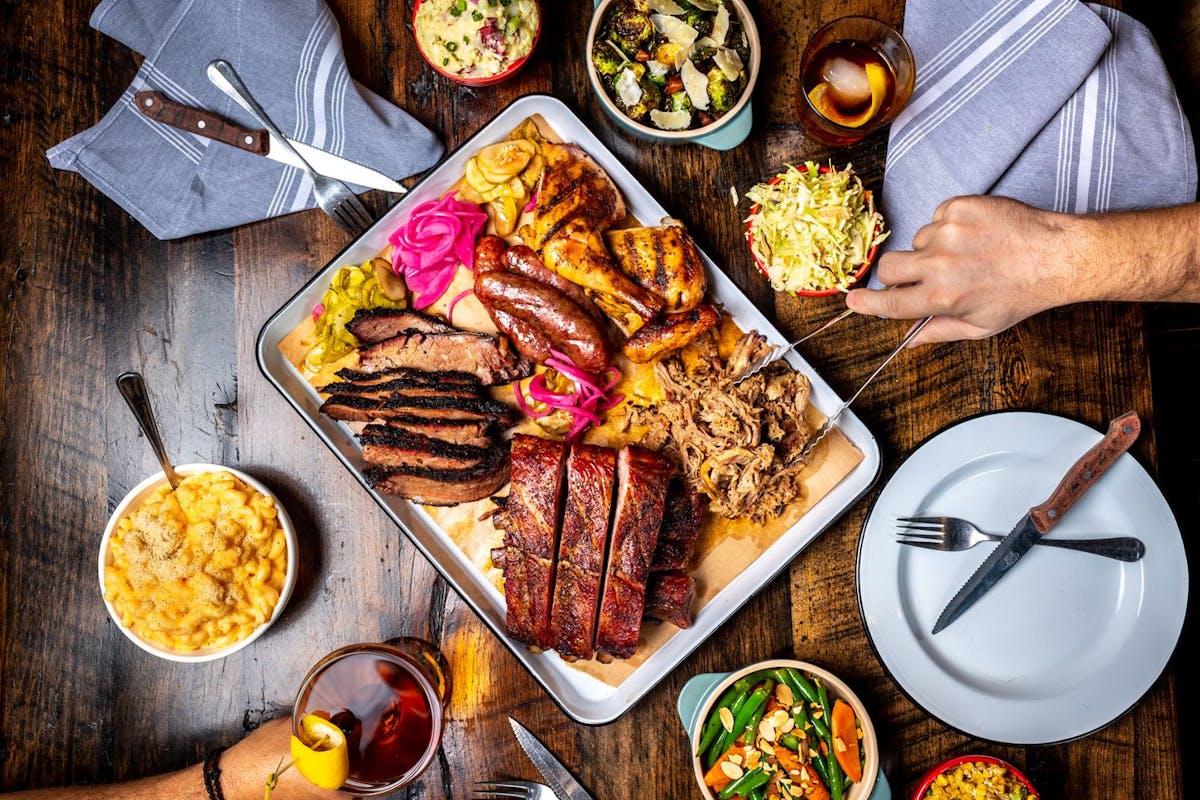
<point>133,389</point>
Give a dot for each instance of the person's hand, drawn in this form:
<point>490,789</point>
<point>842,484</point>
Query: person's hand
<point>983,265</point>
<point>246,765</point>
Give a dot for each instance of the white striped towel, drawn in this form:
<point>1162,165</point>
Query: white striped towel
<point>1060,104</point>
<point>289,53</point>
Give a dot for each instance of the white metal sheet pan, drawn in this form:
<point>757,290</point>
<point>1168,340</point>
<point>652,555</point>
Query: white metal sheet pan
<point>584,698</point>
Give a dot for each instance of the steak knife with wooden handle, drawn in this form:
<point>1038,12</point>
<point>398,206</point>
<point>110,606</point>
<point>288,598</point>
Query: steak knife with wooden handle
<point>196,120</point>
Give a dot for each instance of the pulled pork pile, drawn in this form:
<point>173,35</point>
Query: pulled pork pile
<point>739,445</point>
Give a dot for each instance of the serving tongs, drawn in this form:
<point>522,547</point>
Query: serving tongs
<point>833,417</point>
<point>773,355</point>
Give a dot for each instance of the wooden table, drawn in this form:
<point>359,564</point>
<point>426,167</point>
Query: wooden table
<point>88,293</point>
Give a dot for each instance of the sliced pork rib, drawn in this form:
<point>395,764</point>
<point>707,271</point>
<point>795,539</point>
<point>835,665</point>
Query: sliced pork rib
<point>490,358</point>
<point>530,524</point>
<point>443,487</point>
<point>586,511</point>
<point>642,478</point>
<point>371,325</point>
<point>682,517</point>
<point>669,598</point>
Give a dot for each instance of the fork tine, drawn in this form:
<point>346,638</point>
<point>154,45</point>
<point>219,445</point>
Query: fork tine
<point>922,543</point>
<point>490,795</point>
<point>924,520</point>
<point>360,211</point>
<point>933,537</point>
<point>351,211</point>
<point>503,784</point>
<point>938,529</point>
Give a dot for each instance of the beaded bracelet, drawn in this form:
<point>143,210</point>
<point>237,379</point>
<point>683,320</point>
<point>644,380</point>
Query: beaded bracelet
<point>212,775</point>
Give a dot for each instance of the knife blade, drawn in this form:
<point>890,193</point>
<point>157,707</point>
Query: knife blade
<point>158,107</point>
<point>1041,518</point>
<point>560,780</point>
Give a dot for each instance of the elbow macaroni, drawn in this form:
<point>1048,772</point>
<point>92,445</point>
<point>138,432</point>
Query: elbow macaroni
<point>201,567</point>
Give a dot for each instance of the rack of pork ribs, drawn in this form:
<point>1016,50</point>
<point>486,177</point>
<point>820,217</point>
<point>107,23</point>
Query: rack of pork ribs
<point>595,541</point>
<point>433,433</point>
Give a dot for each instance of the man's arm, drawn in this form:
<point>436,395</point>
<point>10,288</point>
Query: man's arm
<point>244,771</point>
<point>986,263</point>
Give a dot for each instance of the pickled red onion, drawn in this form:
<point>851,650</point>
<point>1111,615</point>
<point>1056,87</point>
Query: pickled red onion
<point>437,237</point>
<point>531,204</point>
<point>590,398</point>
<point>453,303</point>
<point>317,311</point>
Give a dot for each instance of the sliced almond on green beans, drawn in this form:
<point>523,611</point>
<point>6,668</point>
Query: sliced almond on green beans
<point>783,693</point>
<point>726,719</point>
<point>766,729</point>
<point>732,771</point>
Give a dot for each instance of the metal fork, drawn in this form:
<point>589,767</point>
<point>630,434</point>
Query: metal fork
<point>517,790</point>
<point>953,533</point>
<point>335,198</point>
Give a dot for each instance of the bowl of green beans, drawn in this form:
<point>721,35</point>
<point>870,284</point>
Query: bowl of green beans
<point>780,728</point>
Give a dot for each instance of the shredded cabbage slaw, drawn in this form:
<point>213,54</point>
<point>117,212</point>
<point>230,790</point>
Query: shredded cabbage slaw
<point>811,230</point>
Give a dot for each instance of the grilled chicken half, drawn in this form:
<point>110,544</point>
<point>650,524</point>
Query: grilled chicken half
<point>663,260</point>
<point>576,203</point>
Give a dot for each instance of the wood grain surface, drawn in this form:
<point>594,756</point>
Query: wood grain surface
<point>86,293</point>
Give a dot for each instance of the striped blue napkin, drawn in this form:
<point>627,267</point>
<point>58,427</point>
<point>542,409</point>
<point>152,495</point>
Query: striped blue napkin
<point>289,53</point>
<point>1063,105</point>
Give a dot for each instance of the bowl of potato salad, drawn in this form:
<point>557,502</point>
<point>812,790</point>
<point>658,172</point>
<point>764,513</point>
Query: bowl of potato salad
<point>197,573</point>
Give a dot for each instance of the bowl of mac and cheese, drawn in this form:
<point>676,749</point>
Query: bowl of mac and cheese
<point>201,572</point>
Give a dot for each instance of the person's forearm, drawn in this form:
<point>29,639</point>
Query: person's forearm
<point>1151,255</point>
<point>186,784</point>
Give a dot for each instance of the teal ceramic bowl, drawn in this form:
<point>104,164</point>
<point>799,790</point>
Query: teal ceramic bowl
<point>726,133</point>
<point>701,692</point>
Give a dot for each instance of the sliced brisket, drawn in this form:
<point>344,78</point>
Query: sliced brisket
<point>443,487</point>
<point>372,325</point>
<point>386,446</point>
<point>477,432</point>
<point>402,386</point>
<point>446,378</point>
<point>490,358</point>
<point>586,511</point>
<point>642,478</point>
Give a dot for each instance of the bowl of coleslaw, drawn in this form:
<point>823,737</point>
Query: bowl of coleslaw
<point>813,230</point>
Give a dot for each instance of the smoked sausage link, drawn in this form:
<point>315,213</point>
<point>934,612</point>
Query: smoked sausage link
<point>549,312</point>
<point>523,260</point>
<point>489,252</point>
<point>665,334</point>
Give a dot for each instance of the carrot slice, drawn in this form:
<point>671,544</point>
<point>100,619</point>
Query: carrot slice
<point>844,732</point>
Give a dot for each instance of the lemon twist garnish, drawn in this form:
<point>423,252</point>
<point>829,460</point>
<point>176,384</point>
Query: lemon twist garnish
<point>319,753</point>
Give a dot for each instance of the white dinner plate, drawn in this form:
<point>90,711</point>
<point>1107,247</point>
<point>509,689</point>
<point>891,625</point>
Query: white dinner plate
<point>1067,641</point>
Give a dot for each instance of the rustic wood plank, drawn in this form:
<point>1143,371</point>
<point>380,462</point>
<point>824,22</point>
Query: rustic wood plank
<point>87,293</point>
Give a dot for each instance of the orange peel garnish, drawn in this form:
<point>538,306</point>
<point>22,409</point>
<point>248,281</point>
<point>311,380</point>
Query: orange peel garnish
<point>877,77</point>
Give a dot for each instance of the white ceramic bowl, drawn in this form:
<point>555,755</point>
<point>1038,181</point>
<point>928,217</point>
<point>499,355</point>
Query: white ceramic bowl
<point>138,495</point>
<point>836,688</point>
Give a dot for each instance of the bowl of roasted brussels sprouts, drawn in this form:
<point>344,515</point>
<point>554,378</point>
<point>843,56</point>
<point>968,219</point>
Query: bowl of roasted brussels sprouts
<point>676,71</point>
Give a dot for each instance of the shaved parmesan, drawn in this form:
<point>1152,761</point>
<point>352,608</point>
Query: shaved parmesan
<point>665,6</point>
<point>671,120</point>
<point>684,53</point>
<point>695,84</point>
<point>705,5</point>
<point>720,27</point>
<point>676,30</point>
<point>657,68</point>
<point>729,62</point>
<point>628,89</point>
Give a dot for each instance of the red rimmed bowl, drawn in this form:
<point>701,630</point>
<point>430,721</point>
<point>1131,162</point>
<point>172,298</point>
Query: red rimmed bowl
<point>946,766</point>
<point>858,273</point>
<point>489,80</point>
